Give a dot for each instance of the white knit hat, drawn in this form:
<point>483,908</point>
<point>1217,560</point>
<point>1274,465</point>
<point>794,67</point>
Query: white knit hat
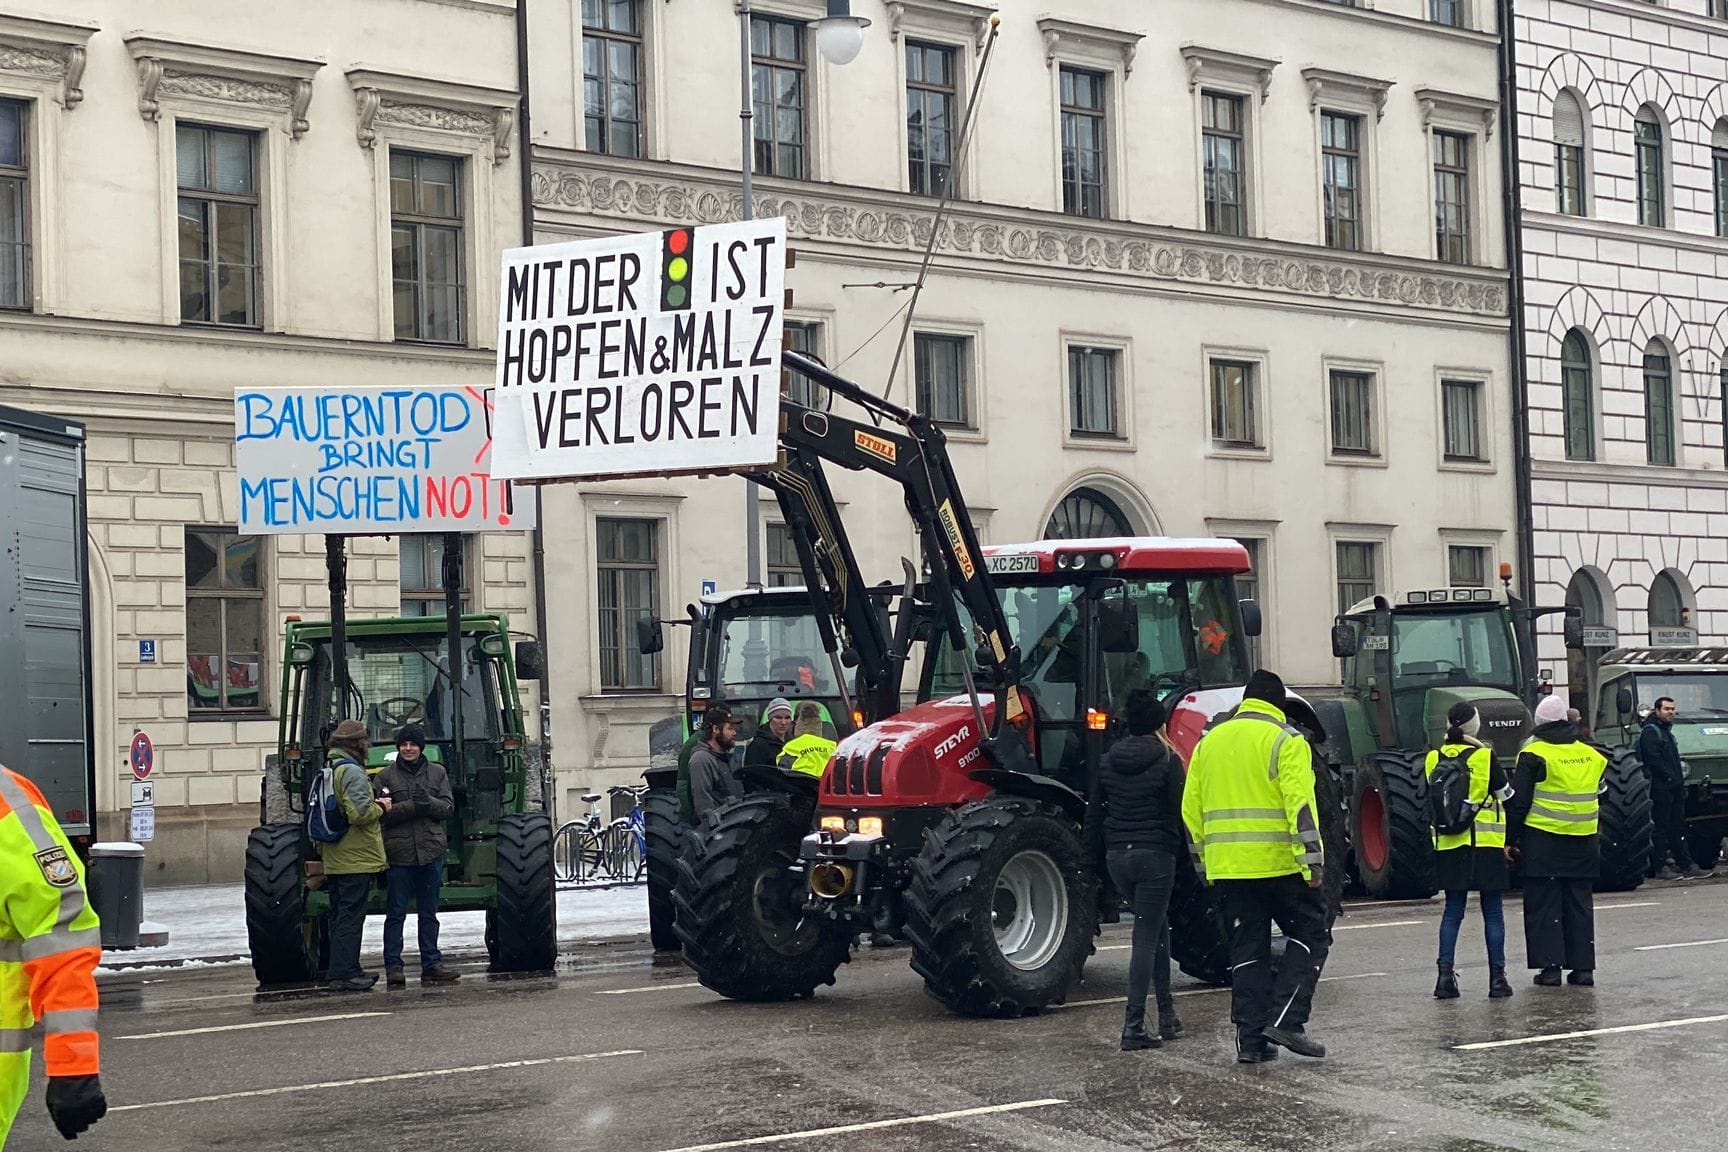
<point>1550,709</point>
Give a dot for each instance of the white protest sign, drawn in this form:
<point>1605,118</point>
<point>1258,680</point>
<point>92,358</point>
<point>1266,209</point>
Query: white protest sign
<point>371,460</point>
<point>647,354</point>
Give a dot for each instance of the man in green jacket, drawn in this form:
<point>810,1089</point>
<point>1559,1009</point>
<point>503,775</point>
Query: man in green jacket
<point>352,864</point>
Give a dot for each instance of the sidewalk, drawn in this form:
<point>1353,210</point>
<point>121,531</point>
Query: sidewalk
<point>207,923</point>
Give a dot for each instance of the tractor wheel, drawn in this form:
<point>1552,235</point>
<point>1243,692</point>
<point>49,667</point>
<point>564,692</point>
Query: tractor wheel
<point>1334,832</point>
<point>1705,848</point>
<point>1002,907</point>
<point>1198,944</point>
<point>522,930</point>
<point>739,905</point>
<point>660,827</point>
<point>1625,824</point>
<point>283,942</point>
<point>1389,828</point>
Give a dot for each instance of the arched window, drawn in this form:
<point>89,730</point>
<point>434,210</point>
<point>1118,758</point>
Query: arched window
<point>1583,595</point>
<point>1719,173</point>
<point>1577,397</point>
<point>1087,514</point>
<point>1569,164</point>
<point>1667,602</point>
<point>1652,168</point>
<point>1658,405</point>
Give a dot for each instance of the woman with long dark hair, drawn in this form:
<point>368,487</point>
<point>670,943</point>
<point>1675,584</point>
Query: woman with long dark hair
<point>1473,860</point>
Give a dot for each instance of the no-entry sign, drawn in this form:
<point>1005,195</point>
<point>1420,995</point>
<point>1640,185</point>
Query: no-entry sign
<point>143,756</point>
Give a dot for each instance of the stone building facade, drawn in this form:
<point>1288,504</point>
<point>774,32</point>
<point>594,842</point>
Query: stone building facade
<point>1623,134</point>
<point>1239,269</point>
<point>207,204</point>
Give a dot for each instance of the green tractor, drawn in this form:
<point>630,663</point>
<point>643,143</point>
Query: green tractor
<point>1629,681</point>
<point>387,673</point>
<point>1406,663</point>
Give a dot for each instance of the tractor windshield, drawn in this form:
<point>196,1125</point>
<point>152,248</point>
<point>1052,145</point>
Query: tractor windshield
<point>773,655</point>
<point>1433,648</point>
<point>402,679</point>
<point>1696,698</point>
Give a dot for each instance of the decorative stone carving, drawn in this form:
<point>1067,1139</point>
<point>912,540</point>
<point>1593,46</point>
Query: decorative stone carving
<point>1456,106</point>
<point>423,102</point>
<point>1088,42</point>
<point>173,68</point>
<point>1204,63</point>
<point>1155,258</point>
<point>33,61</point>
<point>223,88</point>
<point>46,49</point>
<point>942,14</point>
<point>1324,84</point>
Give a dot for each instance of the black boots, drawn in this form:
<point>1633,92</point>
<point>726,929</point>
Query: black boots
<point>1297,1040</point>
<point>1549,977</point>
<point>1446,987</point>
<point>1169,1024</point>
<point>1135,1038</point>
<point>1498,989</point>
<point>1254,1050</point>
<point>1582,977</point>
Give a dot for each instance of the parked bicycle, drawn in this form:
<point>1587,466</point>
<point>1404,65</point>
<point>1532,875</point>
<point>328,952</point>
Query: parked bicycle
<point>591,849</point>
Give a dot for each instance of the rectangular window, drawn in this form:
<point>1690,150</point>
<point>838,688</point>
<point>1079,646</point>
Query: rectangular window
<point>940,372</point>
<point>1341,179</point>
<point>224,620</point>
<point>218,213</point>
<point>612,76</point>
<point>1450,12</point>
<point>931,101</point>
<point>14,205</point>
<point>426,247</point>
<point>782,565</point>
<point>1466,566</point>
<point>1461,419</point>
<point>627,574</point>
<point>1652,195</point>
<point>804,336</point>
<point>1452,197</point>
<point>1249,583</point>
<point>1092,392</point>
<point>1082,95</point>
<point>421,573</point>
<point>1235,414</point>
<point>1353,414</point>
<point>1658,409</point>
<point>1221,140</point>
<point>778,76</point>
<point>1718,174</point>
<point>1569,178</point>
<point>1358,572</point>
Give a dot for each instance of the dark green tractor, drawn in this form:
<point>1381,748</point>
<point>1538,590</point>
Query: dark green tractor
<point>392,672</point>
<point>1406,663</point>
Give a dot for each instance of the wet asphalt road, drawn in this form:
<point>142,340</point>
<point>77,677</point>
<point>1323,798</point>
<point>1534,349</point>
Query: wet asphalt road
<point>619,1053</point>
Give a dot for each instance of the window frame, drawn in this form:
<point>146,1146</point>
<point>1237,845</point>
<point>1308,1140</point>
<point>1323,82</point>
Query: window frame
<point>222,595</point>
<point>433,594</point>
<point>953,90</point>
<point>626,637</point>
<point>1260,360</point>
<point>1375,455</point>
<point>211,199</point>
<point>1650,160</point>
<point>807,72</point>
<point>639,41</point>
<point>818,327</point>
<point>1578,165</point>
<point>772,570</point>
<point>1463,175</point>
<point>1101,115</point>
<point>21,174</point>
<point>1460,8</point>
<point>1483,460</point>
<point>1377,579</point>
<point>1354,156</point>
<point>972,363</point>
<point>1264,534</point>
<point>1213,139</point>
<point>1482,553</point>
<point>1670,425</point>
<point>1121,434</point>
<point>1589,367</point>
<point>1219,405</point>
<point>1719,173</point>
<point>458,223</point>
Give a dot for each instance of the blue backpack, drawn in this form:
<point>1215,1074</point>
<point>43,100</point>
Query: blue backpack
<point>326,822</point>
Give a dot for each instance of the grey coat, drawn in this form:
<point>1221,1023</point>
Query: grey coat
<point>712,781</point>
<point>420,802</point>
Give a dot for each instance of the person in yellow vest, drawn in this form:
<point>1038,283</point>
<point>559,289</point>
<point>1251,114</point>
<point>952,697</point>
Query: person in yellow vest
<point>1254,827</point>
<point>1551,831</point>
<point>50,944</point>
<point>1473,860</point>
<point>809,750</point>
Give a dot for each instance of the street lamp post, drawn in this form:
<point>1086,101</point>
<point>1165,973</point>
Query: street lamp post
<point>839,39</point>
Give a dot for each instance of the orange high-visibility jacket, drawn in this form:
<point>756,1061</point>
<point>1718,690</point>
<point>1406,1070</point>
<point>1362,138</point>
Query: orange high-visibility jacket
<point>50,941</point>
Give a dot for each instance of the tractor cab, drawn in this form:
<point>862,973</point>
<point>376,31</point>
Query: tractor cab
<point>1409,659</point>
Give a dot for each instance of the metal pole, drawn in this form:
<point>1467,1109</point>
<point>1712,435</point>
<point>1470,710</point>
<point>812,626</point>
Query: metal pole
<point>336,567</point>
<point>453,640</point>
<point>746,115</point>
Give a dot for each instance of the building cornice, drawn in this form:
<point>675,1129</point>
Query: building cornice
<point>46,49</point>
<point>1205,63</point>
<point>1608,472</point>
<point>1624,231</point>
<point>972,19</point>
<point>427,102</point>
<point>1655,13</point>
<point>244,341</point>
<point>1091,41</point>
<point>169,66</point>
<point>1323,84</point>
<point>603,192</point>
<point>1436,103</point>
<point>1409,23</point>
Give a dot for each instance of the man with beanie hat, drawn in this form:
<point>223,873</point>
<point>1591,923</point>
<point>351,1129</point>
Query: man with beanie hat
<point>352,864</point>
<point>414,847</point>
<point>1255,830</point>
<point>771,735</point>
<point>1551,828</point>
<point>1140,798</point>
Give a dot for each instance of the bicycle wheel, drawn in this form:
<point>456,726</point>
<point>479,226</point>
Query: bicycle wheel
<point>565,862</point>
<point>591,857</point>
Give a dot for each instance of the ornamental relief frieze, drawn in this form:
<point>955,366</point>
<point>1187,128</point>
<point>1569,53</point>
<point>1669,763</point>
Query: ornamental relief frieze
<point>812,219</point>
<point>65,64</point>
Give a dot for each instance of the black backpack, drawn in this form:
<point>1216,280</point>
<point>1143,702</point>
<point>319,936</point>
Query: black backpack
<point>1449,808</point>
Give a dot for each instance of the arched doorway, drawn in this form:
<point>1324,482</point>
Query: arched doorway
<point>1087,514</point>
<point>1586,593</point>
<point>1670,609</point>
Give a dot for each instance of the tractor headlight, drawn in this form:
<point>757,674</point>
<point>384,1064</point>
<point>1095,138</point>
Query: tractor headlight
<point>869,825</point>
<point>833,824</point>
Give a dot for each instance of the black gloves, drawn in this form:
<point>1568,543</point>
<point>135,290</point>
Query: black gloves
<point>75,1103</point>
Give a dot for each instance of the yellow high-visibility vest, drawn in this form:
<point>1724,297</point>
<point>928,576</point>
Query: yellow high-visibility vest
<point>1490,826</point>
<point>1566,801</point>
<point>1249,799</point>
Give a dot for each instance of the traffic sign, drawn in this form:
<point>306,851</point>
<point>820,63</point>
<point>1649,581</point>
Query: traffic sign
<point>143,793</point>
<point>143,825</point>
<point>143,756</point>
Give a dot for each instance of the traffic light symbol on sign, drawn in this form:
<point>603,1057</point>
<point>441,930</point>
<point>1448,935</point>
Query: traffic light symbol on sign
<point>675,253</point>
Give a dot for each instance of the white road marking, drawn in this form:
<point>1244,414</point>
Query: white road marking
<point>1628,904</point>
<point>1687,944</point>
<point>1204,991</point>
<point>650,988</point>
<point>1114,947</point>
<point>289,1088</point>
<point>1382,924</point>
<point>1477,1047</point>
<point>248,1027</point>
<point>151,1004</point>
<point>872,1126</point>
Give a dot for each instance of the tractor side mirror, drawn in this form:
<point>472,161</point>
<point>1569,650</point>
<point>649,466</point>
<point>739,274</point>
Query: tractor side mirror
<point>650,638</point>
<point>1625,702</point>
<point>1343,641</point>
<point>530,660</point>
<point>1119,625</point>
<point>1573,627</point>
<point>1251,619</point>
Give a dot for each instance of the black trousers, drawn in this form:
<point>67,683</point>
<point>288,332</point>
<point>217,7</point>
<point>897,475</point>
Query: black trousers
<point>1145,876</point>
<point>1261,997</point>
<point>1559,923</point>
<point>1669,810</point>
<point>348,894</point>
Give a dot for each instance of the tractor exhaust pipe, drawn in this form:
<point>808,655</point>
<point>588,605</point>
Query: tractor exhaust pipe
<point>830,880</point>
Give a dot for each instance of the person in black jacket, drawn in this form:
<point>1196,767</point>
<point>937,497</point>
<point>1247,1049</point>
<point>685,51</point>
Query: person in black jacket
<point>1660,755</point>
<point>771,736</point>
<point>1140,790</point>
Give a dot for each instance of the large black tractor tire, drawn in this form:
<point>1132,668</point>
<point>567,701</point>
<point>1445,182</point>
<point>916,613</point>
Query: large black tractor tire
<point>1334,833</point>
<point>283,942</point>
<point>739,904</point>
<point>1389,828</point>
<point>1624,824</point>
<point>1198,943</point>
<point>1002,907</point>
<point>522,930</point>
<point>665,835</point>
